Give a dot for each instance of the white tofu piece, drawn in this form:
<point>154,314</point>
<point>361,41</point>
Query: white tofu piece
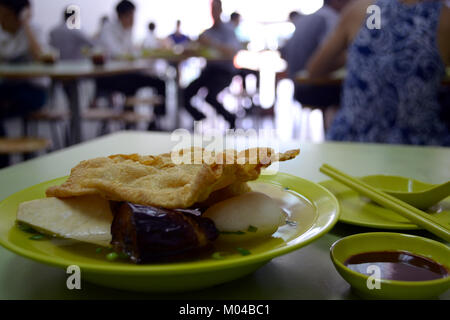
<point>87,219</point>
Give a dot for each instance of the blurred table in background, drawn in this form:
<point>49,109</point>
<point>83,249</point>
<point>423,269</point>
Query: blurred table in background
<point>70,73</point>
<point>338,77</point>
<point>307,273</point>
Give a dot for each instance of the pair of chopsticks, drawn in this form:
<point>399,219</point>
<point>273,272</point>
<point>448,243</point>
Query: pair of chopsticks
<point>416,216</point>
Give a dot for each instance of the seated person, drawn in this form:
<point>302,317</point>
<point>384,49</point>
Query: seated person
<point>294,16</point>
<point>20,42</point>
<point>116,41</point>
<point>235,20</point>
<point>394,73</point>
<point>310,31</point>
<point>178,37</point>
<point>69,42</point>
<point>217,75</point>
<point>151,41</point>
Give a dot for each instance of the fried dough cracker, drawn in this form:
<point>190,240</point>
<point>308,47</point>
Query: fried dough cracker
<point>158,181</point>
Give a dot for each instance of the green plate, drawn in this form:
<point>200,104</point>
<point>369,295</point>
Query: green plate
<point>320,213</point>
<point>361,211</point>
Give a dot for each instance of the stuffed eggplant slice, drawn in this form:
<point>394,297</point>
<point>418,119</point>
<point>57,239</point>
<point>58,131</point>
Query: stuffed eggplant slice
<point>149,234</point>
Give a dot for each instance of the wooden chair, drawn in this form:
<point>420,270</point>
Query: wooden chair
<point>134,101</point>
<point>26,146</point>
<point>23,145</point>
<point>55,119</point>
<point>107,116</point>
<point>122,113</point>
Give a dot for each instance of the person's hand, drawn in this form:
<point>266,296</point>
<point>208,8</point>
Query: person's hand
<point>25,16</point>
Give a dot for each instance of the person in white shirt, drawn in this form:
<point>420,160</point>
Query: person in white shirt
<point>235,20</point>
<point>19,42</point>
<point>116,37</point>
<point>151,41</point>
<point>19,39</point>
<point>69,42</point>
<point>116,40</point>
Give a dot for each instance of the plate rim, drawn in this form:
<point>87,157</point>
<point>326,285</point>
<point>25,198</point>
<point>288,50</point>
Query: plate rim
<point>382,226</point>
<point>173,269</point>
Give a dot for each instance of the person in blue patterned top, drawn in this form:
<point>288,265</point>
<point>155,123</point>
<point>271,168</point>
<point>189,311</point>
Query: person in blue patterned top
<point>394,73</point>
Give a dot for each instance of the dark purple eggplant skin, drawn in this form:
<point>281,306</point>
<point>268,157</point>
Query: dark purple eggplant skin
<point>149,234</point>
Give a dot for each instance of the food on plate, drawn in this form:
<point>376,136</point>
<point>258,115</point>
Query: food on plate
<point>158,181</point>
<point>148,234</point>
<point>157,208</point>
<point>246,217</point>
<point>86,219</point>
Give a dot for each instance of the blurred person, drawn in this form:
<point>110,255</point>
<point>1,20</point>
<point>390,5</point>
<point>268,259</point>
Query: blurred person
<point>217,75</point>
<point>69,42</point>
<point>116,37</point>
<point>394,73</point>
<point>151,41</point>
<point>116,40</point>
<point>178,38</point>
<point>235,20</point>
<point>310,32</point>
<point>20,41</point>
<point>293,16</point>
<point>234,23</point>
<point>103,21</point>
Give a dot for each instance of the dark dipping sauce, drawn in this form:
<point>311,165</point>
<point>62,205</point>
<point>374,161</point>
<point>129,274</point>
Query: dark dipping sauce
<point>397,265</point>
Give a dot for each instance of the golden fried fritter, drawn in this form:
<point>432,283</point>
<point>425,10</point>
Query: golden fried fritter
<point>161,182</point>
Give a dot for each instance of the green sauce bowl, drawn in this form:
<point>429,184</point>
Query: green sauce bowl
<point>349,246</point>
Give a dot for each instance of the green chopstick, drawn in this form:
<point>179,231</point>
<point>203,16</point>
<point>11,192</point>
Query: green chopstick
<point>416,216</point>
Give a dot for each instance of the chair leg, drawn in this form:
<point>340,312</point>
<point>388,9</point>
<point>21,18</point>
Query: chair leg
<point>57,143</point>
<point>4,161</point>
<point>28,156</point>
<point>103,130</point>
<point>25,128</point>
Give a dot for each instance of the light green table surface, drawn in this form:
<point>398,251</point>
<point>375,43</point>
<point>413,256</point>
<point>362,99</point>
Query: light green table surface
<point>305,274</point>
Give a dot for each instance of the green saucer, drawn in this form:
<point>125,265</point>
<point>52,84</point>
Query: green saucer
<point>361,211</point>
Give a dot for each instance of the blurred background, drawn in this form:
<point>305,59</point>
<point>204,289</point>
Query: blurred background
<point>195,15</point>
<point>310,70</point>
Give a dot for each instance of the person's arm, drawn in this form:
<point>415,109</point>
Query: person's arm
<point>34,45</point>
<point>83,40</point>
<point>305,40</point>
<point>332,54</point>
